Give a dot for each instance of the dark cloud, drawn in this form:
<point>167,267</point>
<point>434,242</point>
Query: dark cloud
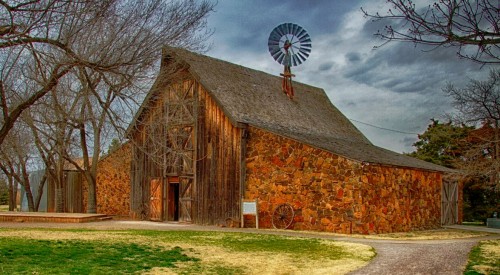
<point>353,57</point>
<point>404,68</point>
<point>325,66</point>
<point>246,27</point>
<point>396,86</point>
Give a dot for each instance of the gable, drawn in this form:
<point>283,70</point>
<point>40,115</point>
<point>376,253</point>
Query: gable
<point>255,98</point>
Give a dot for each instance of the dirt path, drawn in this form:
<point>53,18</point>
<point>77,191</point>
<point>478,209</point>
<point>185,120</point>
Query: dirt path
<point>393,256</point>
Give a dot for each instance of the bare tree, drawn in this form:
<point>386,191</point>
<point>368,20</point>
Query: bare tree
<point>15,159</point>
<point>35,54</point>
<point>42,41</point>
<point>110,54</point>
<point>53,133</point>
<point>470,26</point>
<point>479,104</point>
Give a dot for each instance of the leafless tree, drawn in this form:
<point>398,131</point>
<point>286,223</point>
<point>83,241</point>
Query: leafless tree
<point>479,104</point>
<point>31,41</point>
<point>103,54</point>
<point>42,41</point>
<point>53,133</point>
<point>15,160</point>
<point>470,26</point>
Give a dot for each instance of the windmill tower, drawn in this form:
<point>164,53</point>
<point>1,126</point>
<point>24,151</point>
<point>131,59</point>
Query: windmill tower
<point>290,45</point>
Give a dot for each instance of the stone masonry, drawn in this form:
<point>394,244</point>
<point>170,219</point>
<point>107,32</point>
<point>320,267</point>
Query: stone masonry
<point>335,194</point>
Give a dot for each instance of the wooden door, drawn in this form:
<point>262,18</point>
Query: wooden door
<point>155,200</point>
<point>449,203</point>
<point>185,200</point>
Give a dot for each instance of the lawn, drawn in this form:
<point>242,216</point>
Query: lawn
<point>4,208</point>
<point>484,258</point>
<point>42,251</point>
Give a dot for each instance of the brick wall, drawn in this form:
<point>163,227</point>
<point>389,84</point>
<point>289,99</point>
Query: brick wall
<point>336,194</point>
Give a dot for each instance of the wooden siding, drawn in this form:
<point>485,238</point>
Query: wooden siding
<point>207,164</point>
<point>219,164</point>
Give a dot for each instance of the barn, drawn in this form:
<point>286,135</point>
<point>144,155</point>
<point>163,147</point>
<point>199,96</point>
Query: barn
<point>211,134</point>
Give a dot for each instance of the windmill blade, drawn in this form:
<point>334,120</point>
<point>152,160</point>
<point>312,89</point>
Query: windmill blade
<point>302,33</point>
<point>289,28</point>
<point>275,36</point>
<point>302,56</point>
<point>277,56</point>
<point>295,29</point>
<point>306,45</point>
<point>280,58</point>
<point>282,30</point>
<point>295,60</point>
<point>305,38</point>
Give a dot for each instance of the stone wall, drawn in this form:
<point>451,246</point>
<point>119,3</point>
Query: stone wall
<point>336,194</point>
<point>113,183</point>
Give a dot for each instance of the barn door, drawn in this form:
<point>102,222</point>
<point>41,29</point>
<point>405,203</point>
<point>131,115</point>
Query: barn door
<point>155,200</point>
<point>449,203</point>
<point>181,112</point>
<point>185,200</point>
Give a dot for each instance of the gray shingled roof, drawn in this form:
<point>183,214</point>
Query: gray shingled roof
<point>253,97</point>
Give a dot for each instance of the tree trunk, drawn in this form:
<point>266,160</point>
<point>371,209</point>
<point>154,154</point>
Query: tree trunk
<point>12,194</point>
<point>29,196</point>
<point>91,199</point>
<point>59,186</point>
<point>496,176</point>
<point>40,191</point>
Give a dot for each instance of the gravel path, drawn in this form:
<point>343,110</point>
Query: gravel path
<point>393,256</point>
<point>419,258</point>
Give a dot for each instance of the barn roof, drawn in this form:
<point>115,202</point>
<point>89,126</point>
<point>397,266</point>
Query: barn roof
<point>254,98</point>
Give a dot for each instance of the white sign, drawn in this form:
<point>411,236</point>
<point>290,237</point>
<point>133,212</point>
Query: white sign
<point>249,208</point>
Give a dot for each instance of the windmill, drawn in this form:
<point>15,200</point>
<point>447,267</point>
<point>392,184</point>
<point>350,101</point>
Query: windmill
<point>290,45</point>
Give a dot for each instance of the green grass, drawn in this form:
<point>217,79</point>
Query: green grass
<point>28,256</point>
<point>241,242</point>
<point>39,251</point>
<point>4,208</point>
<point>484,258</point>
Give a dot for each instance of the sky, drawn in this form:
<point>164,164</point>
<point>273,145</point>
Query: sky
<point>397,86</point>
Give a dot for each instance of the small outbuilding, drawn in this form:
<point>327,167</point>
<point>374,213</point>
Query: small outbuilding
<point>211,134</point>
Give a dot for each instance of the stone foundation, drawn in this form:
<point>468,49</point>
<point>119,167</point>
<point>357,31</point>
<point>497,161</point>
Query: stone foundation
<point>335,194</point>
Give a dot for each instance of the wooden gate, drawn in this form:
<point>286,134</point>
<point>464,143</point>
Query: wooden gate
<point>449,202</point>
<point>156,199</point>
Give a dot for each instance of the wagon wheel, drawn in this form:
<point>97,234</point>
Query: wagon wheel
<point>283,216</point>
